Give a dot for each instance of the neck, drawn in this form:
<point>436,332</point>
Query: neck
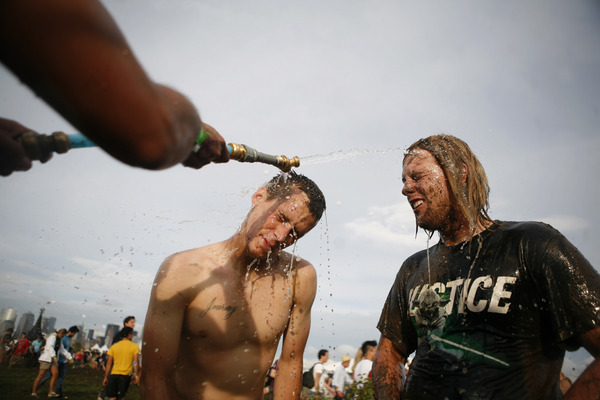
<point>237,250</point>
<point>462,232</point>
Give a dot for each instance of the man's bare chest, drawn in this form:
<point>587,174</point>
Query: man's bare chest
<point>227,314</point>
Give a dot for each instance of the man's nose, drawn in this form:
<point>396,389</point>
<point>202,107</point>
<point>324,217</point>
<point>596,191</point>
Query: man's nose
<point>407,188</point>
<point>283,234</point>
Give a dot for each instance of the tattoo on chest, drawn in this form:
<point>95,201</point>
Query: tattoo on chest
<point>211,306</point>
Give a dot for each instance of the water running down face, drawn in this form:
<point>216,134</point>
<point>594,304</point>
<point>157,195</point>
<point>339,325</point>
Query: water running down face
<point>275,224</point>
<point>427,191</point>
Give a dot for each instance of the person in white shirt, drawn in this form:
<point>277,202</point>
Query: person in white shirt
<point>341,378</point>
<point>363,368</point>
<point>49,361</point>
<point>319,369</point>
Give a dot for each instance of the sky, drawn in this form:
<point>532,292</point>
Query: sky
<point>345,85</point>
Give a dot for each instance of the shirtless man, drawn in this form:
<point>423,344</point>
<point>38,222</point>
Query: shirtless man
<point>217,313</point>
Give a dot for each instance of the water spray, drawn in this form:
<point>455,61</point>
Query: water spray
<point>37,145</point>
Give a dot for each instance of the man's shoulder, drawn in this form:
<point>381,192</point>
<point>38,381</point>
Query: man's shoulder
<point>178,266</point>
<point>197,257</point>
<point>525,229</point>
<point>123,343</point>
<point>301,265</point>
<point>414,259</point>
<point>133,346</point>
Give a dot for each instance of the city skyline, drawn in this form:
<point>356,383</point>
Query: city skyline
<point>57,325</point>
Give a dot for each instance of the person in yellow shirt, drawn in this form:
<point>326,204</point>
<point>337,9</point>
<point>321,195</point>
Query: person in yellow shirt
<point>123,358</point>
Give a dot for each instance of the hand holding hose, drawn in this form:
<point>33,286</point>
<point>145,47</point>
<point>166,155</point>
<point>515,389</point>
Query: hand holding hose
<point>210,147</point>
<point>12,153</point>
<point>19,145</point>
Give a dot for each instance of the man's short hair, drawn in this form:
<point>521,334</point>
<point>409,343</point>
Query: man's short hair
<point>322,353</point>
<point>126,332</point>
<point>453,155</point>
<point>126,320</point>
<point>368,345</point>
<point>285,184</point>
<point>74,329</point>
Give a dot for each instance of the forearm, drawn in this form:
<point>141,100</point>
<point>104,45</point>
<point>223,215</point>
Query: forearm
<point>387,371</point>
<point>288,382</point>
<point>74,56</point>
<point>587,386</point>
<point>108,368</point>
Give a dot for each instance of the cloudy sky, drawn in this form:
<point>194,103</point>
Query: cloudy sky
<point>344,84</point>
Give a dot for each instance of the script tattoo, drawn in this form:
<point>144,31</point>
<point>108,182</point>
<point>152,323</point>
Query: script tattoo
<point>211,306</point>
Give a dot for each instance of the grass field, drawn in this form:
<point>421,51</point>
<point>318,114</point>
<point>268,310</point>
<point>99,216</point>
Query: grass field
<point>79,384</point>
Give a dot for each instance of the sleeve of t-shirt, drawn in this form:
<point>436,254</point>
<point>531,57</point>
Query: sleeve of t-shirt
<point>568,285</point>
<point>318,369</point>
<point>394,322</point>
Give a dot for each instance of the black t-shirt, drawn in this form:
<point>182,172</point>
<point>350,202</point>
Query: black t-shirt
<point>491,318</point>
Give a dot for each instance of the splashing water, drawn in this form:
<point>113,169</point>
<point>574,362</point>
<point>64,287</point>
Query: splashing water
<point>248,271</point>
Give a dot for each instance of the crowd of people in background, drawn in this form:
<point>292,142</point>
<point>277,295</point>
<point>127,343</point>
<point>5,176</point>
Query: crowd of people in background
<point>327,379</point>
<point>52,353</point>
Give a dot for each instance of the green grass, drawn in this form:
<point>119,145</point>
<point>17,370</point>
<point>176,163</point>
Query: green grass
<point>79,384</point>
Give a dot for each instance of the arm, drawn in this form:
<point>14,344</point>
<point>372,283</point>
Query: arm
<point>72,54</point>
<point>587,386</point>
<point>338,382</point>
<point>387,370</point>
<point>64,352</point>
<point>328,387</point>
<point>136,369</point>
<point>109,363</point>
<point>50,346</point>
<point>288,382</point>
<point>162,331</point>
<point>317,381</point>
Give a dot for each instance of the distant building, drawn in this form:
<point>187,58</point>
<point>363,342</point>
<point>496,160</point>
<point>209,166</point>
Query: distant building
<point>8,316</point>
<point>51,325</point>
<point>90,335</point>
<point>111,331</point>
<point>80,337</point>
<point>25,323</point>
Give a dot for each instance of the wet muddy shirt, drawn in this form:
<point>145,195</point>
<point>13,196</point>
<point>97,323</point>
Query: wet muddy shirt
<point>496,316</point>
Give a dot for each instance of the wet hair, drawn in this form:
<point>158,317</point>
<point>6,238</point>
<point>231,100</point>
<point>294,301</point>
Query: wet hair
<point>62,331</point>
<point>368,345</point>
<point>126,320</point>
<point>453,155</point>
<point>74,329</point>
<point>322,353</point>
<point>283,185</point>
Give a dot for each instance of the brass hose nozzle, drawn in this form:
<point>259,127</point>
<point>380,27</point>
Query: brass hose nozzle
<point>244,153</point>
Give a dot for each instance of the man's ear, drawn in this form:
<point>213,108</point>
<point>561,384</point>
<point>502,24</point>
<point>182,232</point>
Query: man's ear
<point>465,174</point>
<point>259,196</point>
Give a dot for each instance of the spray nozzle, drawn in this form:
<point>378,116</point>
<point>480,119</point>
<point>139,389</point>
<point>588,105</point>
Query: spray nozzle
<point>243,153</point>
